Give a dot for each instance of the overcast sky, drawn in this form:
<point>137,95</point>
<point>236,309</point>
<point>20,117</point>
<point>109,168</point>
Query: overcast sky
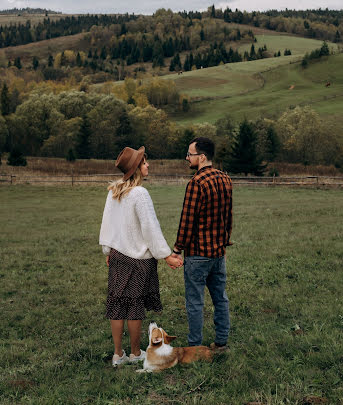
<point>148,7</point>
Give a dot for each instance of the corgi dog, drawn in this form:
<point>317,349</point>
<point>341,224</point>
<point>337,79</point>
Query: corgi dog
<point>160,355</point>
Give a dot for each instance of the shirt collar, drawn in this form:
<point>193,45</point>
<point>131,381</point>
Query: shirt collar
<point>203,169</point>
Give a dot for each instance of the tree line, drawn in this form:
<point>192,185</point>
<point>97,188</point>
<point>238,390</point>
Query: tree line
<point>88,125</point>
<point>319,24</point>
<point>21,34</point>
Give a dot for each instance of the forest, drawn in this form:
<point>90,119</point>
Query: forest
<point>51,105</point>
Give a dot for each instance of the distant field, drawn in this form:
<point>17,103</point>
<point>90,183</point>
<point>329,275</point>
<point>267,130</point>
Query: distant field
<point>284,285</point>
<point>42,49</point>
<point>264,88</point>
<point>275,43</point>
<point>34,18</point>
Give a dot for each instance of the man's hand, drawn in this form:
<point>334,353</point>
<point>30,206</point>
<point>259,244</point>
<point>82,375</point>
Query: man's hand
<point>108,261</point>
<point>174,261</point>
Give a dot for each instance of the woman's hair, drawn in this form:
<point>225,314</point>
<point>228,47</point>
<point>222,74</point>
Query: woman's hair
<point>120,188</point>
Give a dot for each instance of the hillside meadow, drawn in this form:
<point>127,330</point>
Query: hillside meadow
<point>284,285</point>
<point>263,88</point>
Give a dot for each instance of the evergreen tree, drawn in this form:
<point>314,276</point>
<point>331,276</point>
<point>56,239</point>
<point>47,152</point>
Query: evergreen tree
<point>244,157</point>
<point>252,52</point>
<point>17,63</point>
<point>272,144</point>
<point>82,148</point>
<point>185,105</point>
<point>78,60</point>
<point>16,158</point>
<point>35,63</point>
<point>70,156</point>
<point>202,35</point>
<point>5,100</point>
<point>50,61</point>
<point>337,37</point>
<point>103,53</point>
<point>63,59</point>
<point>324,50</point>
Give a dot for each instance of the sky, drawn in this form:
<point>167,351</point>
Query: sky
<point>148,7</point>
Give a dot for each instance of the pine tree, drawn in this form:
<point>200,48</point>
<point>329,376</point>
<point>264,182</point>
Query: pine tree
<point>202,35</point>
<point>5,100</point>
<point>16,158</point>
<point>35,63</point>
<point>50,61</point>
<point>70,156</point>
<point>244,157</point>
<point>82,148</point>
<point>272,144</point>
<point>78,60</point>
<point>17,63</point>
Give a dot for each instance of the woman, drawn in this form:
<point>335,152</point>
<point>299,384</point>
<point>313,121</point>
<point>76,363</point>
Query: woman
<point>132,240</point>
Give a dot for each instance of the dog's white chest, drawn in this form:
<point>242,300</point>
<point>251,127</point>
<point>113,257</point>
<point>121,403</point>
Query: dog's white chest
<point>164,350</point>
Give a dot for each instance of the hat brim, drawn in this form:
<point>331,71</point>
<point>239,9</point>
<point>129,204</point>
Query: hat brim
<point>140,155</point>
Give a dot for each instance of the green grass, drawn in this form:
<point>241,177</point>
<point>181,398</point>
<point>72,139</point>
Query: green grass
<point>298,45</point>
<point>285,269</point>
<point>265,92</point>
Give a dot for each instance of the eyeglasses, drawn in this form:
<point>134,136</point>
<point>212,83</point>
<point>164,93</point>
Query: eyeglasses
<point>193,154</point>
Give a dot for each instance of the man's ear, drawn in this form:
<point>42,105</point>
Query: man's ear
<point>168,339</point>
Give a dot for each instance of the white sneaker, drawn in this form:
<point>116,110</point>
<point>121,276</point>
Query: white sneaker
<point>116,360</point>
<point>136,359</point>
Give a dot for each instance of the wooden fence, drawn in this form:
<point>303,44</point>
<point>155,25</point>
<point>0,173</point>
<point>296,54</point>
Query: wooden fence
<point>74,179</point>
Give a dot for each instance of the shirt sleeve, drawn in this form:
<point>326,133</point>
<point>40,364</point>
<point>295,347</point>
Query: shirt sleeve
<point>190,209</point>
<point>150,227</point>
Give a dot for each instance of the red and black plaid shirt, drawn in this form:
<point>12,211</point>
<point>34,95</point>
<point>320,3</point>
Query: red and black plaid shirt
<point>206,218</point>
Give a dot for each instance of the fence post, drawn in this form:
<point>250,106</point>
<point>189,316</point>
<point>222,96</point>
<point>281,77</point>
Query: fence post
<point>72,178</point>
<point>12,179</point>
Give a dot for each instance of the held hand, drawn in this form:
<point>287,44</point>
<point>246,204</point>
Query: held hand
<point>174,261</point>
<point>108,261</point>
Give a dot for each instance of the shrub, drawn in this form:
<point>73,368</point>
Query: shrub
<point>70,156</point>
<point>16,158</point>
<point>273,172</point>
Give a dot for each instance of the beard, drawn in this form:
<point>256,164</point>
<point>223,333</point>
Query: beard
<point>194,166</point>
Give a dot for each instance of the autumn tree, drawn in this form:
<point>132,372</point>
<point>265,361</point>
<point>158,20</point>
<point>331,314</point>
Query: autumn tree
<point>303,135</point>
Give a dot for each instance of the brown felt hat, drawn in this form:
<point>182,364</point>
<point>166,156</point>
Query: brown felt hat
<point>128,160</point>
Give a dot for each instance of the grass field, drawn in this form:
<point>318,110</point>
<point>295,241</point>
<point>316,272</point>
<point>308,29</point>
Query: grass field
<point>267,93</point>
<point>284,285</point>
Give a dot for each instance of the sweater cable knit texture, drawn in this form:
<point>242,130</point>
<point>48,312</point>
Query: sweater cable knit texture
<point>131,227</point>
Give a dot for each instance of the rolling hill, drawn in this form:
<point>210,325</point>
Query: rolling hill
<point>264,87</point>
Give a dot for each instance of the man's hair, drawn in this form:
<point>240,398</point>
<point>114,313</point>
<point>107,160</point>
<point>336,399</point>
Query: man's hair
<point>205,146</point>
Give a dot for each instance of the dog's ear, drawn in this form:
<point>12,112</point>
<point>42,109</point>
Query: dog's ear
<point>168,339</point>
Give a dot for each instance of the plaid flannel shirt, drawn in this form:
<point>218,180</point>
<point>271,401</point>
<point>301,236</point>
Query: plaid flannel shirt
<point>206,218</point>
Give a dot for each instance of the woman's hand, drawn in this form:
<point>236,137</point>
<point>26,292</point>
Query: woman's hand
<point>108,261</point>
<point>174,262</point>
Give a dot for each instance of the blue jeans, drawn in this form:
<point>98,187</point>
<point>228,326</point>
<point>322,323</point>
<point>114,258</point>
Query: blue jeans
<point>198,272</point>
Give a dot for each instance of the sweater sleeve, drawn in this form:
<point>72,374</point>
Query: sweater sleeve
<point>106,250</point>
<point>150,227</point>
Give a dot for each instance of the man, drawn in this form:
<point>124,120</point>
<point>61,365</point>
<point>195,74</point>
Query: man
<point>204,232</point>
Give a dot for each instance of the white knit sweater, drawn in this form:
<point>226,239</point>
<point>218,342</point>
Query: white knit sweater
<point>131,227</point>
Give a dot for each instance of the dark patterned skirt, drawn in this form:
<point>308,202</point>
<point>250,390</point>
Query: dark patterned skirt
<point>133,286</point>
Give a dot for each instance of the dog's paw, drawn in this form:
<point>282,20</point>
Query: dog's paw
<point>144,370</point>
